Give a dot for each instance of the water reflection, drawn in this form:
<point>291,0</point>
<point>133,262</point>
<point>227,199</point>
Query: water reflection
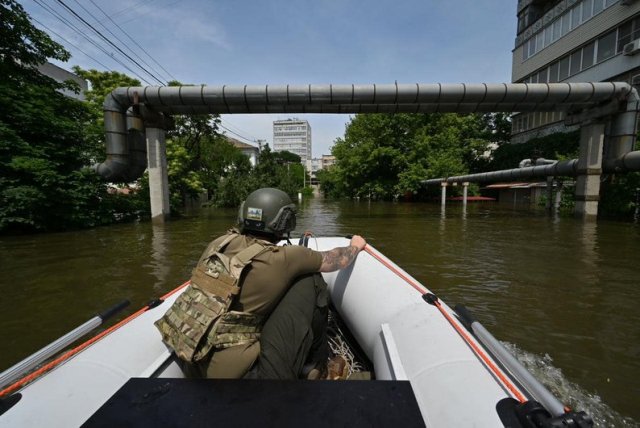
<point>160,264</point>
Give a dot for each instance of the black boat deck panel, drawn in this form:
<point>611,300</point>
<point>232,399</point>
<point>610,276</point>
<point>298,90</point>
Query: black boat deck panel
<point>163,402</point>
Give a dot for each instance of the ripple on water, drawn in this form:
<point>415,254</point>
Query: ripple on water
<point>570,393</point>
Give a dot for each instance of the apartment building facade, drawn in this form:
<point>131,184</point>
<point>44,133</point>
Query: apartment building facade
<point>572,41</point>
<point>293,135</point>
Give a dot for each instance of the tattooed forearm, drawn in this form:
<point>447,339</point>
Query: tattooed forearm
<point>338,258</point>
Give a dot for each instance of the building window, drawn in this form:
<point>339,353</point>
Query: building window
<point>576,59</point>
<point>553,72</point>
<point>587,55</point>
<point>576,17</point>
<point>571,19</point>
<point>564,68</point>
<point>624,35</point>
<point>598,5</point>
<point>606,46</point>
<point>587,10</point>
<point>557,30</point>
<point>566,22</point>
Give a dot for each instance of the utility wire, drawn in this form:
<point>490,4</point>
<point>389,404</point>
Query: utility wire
<point>89,39</point>
<point>109,41</point>
<point>72,44</point>
<point>236,134</point>
<point>128,8</point>
<point>238,129</point>
<point>117,38</point>
<point>157,8</point>
<point>133,40</point>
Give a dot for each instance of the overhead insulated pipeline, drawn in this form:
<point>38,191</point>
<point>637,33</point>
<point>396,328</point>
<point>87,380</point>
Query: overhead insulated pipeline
<point>330,98</point>
<point>569,168</point>
<point>125,144</point>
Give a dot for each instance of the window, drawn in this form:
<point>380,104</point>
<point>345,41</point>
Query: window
<point>565,23</point>
<point>548,32</point>
<point>557,27</point>
<point>587,9</point>
<point>564,68</point>
<point>597,6</point>
<point>532,46</point>
<point>553,72</point>
<point>539,41</point>
<point>636,29</point>
<point>624,35</point>
<point>575,62</point>
<point>542,76</point>
<point>587,55</point>
<point>610,2</point>
<point>606,46</point>
<point>575,15</point>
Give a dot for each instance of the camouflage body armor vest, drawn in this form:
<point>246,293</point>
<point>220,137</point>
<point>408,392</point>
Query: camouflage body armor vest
<point>200,321</point>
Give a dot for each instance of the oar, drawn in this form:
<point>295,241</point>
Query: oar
<point>526,379</point>
<point>53,348</point>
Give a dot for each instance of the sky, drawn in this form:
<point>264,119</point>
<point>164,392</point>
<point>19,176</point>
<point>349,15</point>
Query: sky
<point>233,42</point>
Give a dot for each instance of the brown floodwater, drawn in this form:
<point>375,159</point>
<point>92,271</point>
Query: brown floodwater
<point>562,293</point>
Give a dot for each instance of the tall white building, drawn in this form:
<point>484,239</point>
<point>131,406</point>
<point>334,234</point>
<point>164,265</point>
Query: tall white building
<point>293,135</point>
<point>573,41</point>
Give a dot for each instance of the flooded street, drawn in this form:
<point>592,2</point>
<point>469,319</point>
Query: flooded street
<point>562,292</point>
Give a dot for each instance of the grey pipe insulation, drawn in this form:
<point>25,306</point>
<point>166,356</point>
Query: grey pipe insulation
<point>125,162</point>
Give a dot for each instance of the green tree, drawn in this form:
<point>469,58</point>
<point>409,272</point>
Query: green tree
<point>387,156</point>
<point>101,84</point>
<point>42,146</point>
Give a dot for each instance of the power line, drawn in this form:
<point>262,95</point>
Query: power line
<point>238,129</point>
<point>235,133</point>
<point>108,41</point>
<point>72,44</point>
<point>130,38</point>
<point>157,8</point>
<point>90,40</point>
<point>128,8</point>
<point>111,32</point>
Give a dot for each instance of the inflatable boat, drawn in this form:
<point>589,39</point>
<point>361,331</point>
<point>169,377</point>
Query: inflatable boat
<point>431,366</point>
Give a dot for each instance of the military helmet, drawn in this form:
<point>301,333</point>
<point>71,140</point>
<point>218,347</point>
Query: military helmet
<point>267,210</point>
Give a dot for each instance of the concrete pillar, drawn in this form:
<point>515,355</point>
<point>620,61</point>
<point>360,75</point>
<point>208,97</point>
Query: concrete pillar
<point>549,203</point>
<point>465,188</point>
<point>158,178</point>
<point>443,199</point>
<point>558,199</point>
<point>589,170</point>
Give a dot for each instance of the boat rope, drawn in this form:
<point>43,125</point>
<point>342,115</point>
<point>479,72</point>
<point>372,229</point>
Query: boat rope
<point>433,300</point>
<point>47,367</point>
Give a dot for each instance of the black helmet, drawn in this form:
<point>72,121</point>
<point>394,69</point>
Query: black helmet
<point>267,210</point>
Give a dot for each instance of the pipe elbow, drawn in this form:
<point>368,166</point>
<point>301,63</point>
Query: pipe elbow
<point>114,168</point>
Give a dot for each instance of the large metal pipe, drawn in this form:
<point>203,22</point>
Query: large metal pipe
<point>627,162</point>
<point>372,98</point>
<point>330,98</point>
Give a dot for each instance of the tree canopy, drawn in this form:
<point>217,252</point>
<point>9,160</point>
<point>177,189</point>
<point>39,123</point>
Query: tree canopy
<point>42,149</point>
<point>386,156</point>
